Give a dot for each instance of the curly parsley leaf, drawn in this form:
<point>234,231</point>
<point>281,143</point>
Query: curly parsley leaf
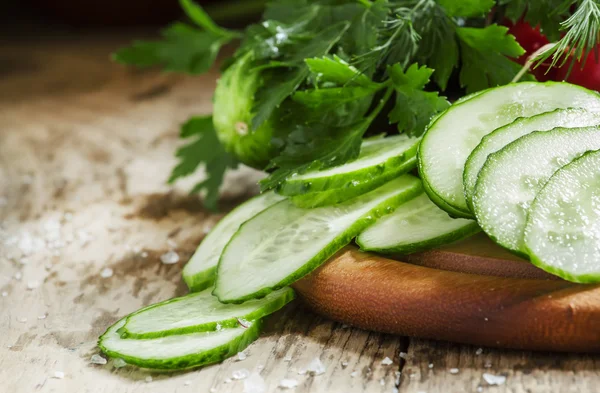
<point>183,48</point>
<point>414,107</point>
<point>484,58</point>
<point>204,149</point>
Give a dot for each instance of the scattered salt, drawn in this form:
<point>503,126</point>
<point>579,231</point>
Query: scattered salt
<point>33,284</point>
<point>227,380</point>
<point>4,294</point>
<point>344,364</point>
<point>254,384</point>
<point>144,254</point>
<point>430,365</point>
<point>213,390</point>
<point>148,379</point>
<point>382,382</point>
<point>97,359</point>
<point>403,355</point>
<point>241,356</point>
<point>22,319</point>
<point>59,374</point>
<point>301,372</point>
<point>171,243</point>
<point>119,363</point>
<point>316,367</point>
<point>492,379</point>
<point>18,276</point>
<point>288,358</point>
<point>387,361</point>
<point>187,383</point>
<point>83,237</point>
<point>260,367</point>
<point>169,258</point>
<point>136,249</point>
<point>479,351</point>
<point>43,316</point>
<point>240,374</point>
<point>106,272</point>
<point>479,389</point>
<point>218,327</point>
<point>394,390</point>
<point>288,383</point>
<point>454,371</point>
<point>353,374</point>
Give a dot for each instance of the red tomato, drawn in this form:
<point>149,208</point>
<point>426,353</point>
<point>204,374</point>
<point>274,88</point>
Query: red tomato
<point>587,75</point>
<point>531,39</point>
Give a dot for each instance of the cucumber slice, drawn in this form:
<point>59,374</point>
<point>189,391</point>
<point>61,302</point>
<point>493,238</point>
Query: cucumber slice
<point>511,178</point>
<point>452,137</point>
<point>339,195</point>
<point>199,272</point>
<point>199,312</point>
<point>562,234</point>
<point>416,225</point>
<point>572,117</point>
<point>180,351</point>
<point>381,157</point>
<point>284,243</point>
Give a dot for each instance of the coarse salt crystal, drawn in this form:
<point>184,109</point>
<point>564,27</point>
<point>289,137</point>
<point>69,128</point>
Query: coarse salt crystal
<point>454,371</point>
<point>479,351</point>
<point>169,258</point>
<point>288,358</point>
<point>59,374</point>
<point>106,272</point>
<point>144,254</point>
<point>492,379</point>
<point>301,372</point>
<point>240,374</point>
<point>119,363</point>
<point>288,383</point>
<point>136,249</point>
<point>430,365</point>
<point>213,390</point>
<point>43,316</point>
<point>97,359</point>
<point>33,284</point>
<point>227,380</point>
<point>4,294</point>
<point>394,390</point>
<point>254,384</point>
<point>403,355</point>
<point>344,364</point>
<point>382,382</point>
<point>18,276</point>
<point>187,383</point>
<point>387,361</point>
<point>316,367</point>
<point>353,374</point>
<point>148,379</point>
<point>479,389</point>
<point>241,356</point>
<point>22,319</point>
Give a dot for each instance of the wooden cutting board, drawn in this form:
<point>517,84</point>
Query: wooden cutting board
<point>470,292</point>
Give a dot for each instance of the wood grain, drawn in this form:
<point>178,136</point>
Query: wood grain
<point>85,147</point>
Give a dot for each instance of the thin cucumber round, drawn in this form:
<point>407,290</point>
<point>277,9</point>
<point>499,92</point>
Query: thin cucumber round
<point>339,195</point>
<point>451,138</point>
<point>381,157</point>
<point>562,235</point>
<point>199,312</point>
<point>199,272</point>
<point>491,143</point>
<point>512,177</point>
<point>284,243</point>
<point>179,351</point>
<point>415,226</point>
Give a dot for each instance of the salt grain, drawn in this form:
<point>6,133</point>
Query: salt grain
<point>430,365</point>
<point>169,258</point>
<point>492,379</point>
<point>97,359</point>
<point>479,351</point>
<point>144,254</point>
<point>301,372</point>
<point>288,358</point>
<point>479,389</point>
<point>187,383</point>
<point>382,382</point>
<point>106,272</point>
<point>344,364</point>
<point>403,355</point>
<point>43,316</point>
<point>241,356</point>
<point>22,319</point>
<point>453,371</point>
<point>119,363</point>
<point>394,390</point>
<point>18,276</point>
<point>227,380</point>
<point>59,375</point>
<point>240,374</point>
<point>260,367</point>
<point>254,384</point>
<point>353,374</point>
<point>213,390</point>
<point>288,383</point>
<point>4,294</point>
<point>33,284</point>
<point>387,361</point>
<point>148,379</point>
<point>316,367</point>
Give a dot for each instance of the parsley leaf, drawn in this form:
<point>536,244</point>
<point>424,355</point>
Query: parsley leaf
<point>467,8</point>
<point>183,48</point>
<point>548,14</point>
<point>414,107</point>
<point>483,55</point>
<point>205,149</point>
<point>335,70</point>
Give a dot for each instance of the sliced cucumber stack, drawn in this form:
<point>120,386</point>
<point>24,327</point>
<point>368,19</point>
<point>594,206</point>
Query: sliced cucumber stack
<point>178,351</point>
<point>283,243</point>
<point>416,225</point>
<point>572,117</point>
<point>511,178</point>
<point>199,273</point>
<point>451,137</point>
<point>199,312</point>
<point>380,160</point>
<point>562,235</point>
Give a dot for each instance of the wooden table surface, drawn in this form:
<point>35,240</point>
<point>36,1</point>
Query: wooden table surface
<point>85,148</point>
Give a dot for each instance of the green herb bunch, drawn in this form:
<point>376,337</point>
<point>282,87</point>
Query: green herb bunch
<point>314,76</point>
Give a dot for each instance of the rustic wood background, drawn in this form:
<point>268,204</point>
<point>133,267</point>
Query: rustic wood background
<point>85,148</point>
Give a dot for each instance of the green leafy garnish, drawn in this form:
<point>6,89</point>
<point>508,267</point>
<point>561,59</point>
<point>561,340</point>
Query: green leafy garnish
<point>204,149</point>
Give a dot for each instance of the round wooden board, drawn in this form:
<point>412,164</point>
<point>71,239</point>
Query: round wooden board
<point>470,294</point>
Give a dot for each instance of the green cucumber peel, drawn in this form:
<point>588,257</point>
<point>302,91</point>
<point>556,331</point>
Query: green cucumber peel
<point>199,273</point>
<point>199,312</point>
<point>178,352</point>
<point>284,243</point>
<point>416,225</point>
